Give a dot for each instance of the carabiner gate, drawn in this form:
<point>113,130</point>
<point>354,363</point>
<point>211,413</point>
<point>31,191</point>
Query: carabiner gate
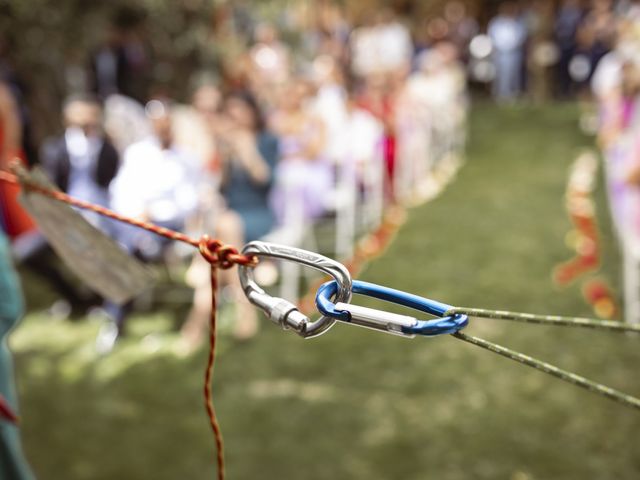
<point>281,311</point>
<point>388,322</point>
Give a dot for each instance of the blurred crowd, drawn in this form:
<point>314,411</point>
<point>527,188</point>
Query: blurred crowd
<point>343,121</point>
<point>279,138</point>
<point>546,49</point>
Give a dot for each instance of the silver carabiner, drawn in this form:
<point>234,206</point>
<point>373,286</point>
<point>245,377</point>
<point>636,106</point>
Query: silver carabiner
<point>281,311</point>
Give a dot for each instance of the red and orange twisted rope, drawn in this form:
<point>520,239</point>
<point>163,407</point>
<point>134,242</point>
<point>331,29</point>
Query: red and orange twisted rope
<point>217,254</point>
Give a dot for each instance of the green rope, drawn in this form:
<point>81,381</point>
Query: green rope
<point>564,375</point>
<point>543,366</point>
<point>545,319</point>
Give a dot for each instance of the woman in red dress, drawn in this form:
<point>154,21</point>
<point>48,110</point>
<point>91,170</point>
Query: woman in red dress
<point>13,218</point>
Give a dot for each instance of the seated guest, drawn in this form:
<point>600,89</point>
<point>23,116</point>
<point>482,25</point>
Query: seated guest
<point>82,161</point>
<point>158,182</point>
<point>250,156</point>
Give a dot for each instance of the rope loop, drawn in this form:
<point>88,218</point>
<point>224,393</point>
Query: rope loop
<point>223,256</point>
<point>208,248</point>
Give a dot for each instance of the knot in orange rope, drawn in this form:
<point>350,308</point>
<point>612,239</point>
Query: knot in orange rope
<point>223,256</point>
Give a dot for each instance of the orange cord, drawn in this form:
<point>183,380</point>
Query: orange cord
<point>208,377</point>
<point>213,251</point>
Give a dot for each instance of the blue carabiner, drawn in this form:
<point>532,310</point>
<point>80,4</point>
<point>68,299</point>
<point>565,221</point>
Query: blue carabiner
<point>390,322</point>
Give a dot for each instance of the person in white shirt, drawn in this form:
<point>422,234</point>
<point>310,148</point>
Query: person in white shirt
<point>158,182</point>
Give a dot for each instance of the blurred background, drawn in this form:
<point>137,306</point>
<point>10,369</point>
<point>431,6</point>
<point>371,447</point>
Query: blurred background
<point>481,153</point>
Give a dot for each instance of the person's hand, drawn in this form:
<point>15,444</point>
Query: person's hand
<point>243,143</point>
<point>245,152</point>
<point>245,149</point>
<point>221,127</point>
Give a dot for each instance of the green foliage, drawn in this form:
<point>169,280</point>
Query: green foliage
<point>358,404</point>
<point>49,41</point>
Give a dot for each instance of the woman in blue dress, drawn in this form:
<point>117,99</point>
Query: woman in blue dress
<point>249,157</point>
<point>248,154</point>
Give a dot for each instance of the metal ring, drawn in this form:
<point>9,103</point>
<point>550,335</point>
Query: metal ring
<point>282,311</point>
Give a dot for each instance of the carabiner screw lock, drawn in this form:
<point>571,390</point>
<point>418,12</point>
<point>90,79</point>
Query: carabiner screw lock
<point>281,311</point>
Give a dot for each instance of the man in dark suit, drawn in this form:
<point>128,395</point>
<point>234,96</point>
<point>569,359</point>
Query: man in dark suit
<point>81,162</point>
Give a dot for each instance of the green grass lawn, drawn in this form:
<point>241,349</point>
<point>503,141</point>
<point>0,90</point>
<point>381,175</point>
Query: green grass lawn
<point>357,404</point>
